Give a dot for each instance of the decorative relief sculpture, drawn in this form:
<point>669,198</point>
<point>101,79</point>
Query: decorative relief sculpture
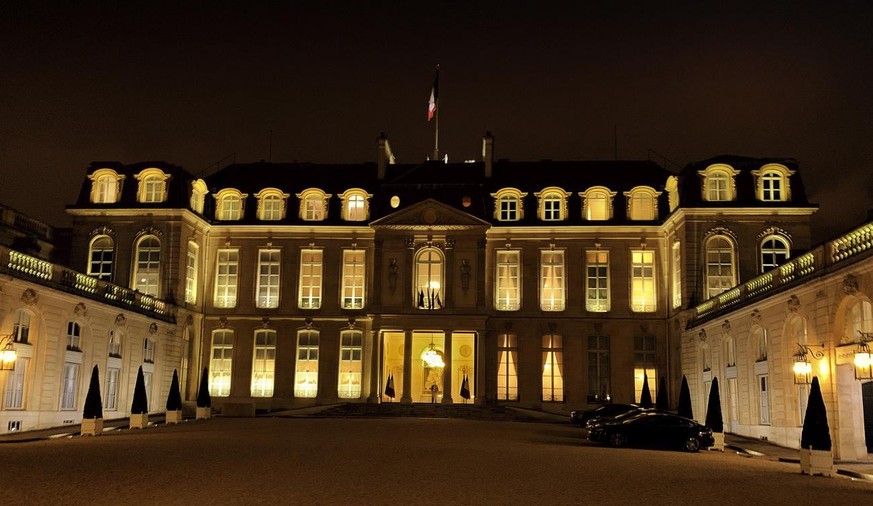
<point>793,303</point>
<point>153,328</point>
<point>81,310</point>
<point>850,284</point>
<point>120,320</point>
<point>465,275</point>
<point>756,317</point>
<point>392,275</point>
<point>29,297</point>
<point>702,335</point>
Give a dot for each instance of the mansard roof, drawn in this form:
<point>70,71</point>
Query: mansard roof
<point>690,186</point>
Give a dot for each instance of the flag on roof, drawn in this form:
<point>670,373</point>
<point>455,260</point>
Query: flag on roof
<point>434,96</point>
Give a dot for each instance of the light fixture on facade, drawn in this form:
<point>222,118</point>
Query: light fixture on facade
<point>7,353</point>
<point>863,358</point>
<point>432,357</point>
<point>802,367</point>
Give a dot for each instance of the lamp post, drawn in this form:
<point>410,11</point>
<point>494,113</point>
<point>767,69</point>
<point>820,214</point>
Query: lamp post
<point>802,366</point>
<point>7,353</point>
<point>863,358</point>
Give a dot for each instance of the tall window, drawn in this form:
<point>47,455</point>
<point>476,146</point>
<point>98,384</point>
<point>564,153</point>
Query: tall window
<point>147,377</point>
<point>226,277</point>
<point>73,336</point>
<point>553,365</point>
<point>229,207</point>
<point>15,384</point>
<point>772,187</point>
<point>350,365</point>
<point>644,366</point>
<point>718,186</point>
<point>68,387</point>
<point>598,369</point>
<point>268,278</point>
<point>774,252</point>
<point>191,273</point>
<point>111,399</point>
<point>643,296</point>
<point>306,376</point>
<point>310,279</point>
<point>101,257</point>
<point>221,362</point>
<point>429,278</point>
<point>21,327</point>
<point>148,266</point>
<point>148,351</point>
<point>353,282</point>
<point>719,266</point>
<point>597,281</point>
<point>507,367</point>
<point>114,344</point>
<point>552,280</point>
<point>677,275</point>
<point>507,296</point>
<point>264,363</point>
<point>764,398</point>
<point>759,338</point>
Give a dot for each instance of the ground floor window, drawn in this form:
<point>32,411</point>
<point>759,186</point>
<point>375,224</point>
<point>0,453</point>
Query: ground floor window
<point>221,363</point>
<point>598,369</point>
<point>264,363</point>
<point>306,375</point>
<point>68,388</point>
<point>15,385</point>
<point>111,401</point>
<point>507,368</point>
<point>350,366</point>
<point>764,399</point>
<point>553,369</point>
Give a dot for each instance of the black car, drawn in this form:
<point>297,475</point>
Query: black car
<point>653,429</point>
<point>582,417</point>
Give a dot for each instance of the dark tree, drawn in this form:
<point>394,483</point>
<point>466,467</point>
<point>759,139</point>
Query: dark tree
<point>140,404</point>
<point>93,402</point>
<point>816,433</point>
<point>713,409</point>
<point>661,401</point>
<point>684,408</point>
<point>203,398</point>
<point>646,396</point>
<point>174,398</point>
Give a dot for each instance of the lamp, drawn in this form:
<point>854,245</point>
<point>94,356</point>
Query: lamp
<point>802,367</point>
<point>7,353</point>
<point>432,357</point>
<point>863,357</point>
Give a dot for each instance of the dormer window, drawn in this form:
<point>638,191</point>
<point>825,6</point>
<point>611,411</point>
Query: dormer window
<point>313,204</point>
<point>105,186</point>
<point>355,205</point>
<point>719,183</point>
<point>642,203</point>
<point>152,186</point>
<point>229,205</point>
<point>198,195</point>
<point>271,204</point>
<point>597,203</point>
<point>508,204</point>
<point>771,183</point>
<point>552,204</point>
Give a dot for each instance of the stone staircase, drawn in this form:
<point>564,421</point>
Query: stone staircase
<point>466,411</point>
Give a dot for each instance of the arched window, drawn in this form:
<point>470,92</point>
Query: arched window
<point>152,186</point>
<point>508,204</point>
<point>146,275</point>
<point>772,183</point>
<point>719,183</point>
<point>271,204</point>
<point>774,252</point>
<point>313,204</point>
<point>642,204</point>
<point>428,279</point>
<point>105,186</point>
<point>597,203</point>
<point>230,205</point>
<point>101,256</point>
<point>552,204</point>
<point>355,205</point>
<point>859,318</point>
<point>720,269</point>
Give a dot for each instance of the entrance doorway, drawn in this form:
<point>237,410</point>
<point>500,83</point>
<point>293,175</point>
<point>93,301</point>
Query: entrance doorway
<point>867,401</point>
<point>429,365</point>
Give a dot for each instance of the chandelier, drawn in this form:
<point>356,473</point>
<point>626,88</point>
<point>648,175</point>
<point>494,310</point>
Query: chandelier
<point>432,357</point>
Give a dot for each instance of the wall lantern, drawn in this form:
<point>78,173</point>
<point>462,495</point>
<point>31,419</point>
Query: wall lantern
<point>7,353</point>
<point>863,358</point>
<point>802,367</point>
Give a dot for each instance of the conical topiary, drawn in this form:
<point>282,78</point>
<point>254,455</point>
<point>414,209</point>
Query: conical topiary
<point>816,434</point>
<point>646,395</point>
<point>140,404</point>
<point>174,398</point>
<point>661,401</point>
<point>713,409</point>
<point>684,408</point>
<point>93,402</point>
<point>203,398</point>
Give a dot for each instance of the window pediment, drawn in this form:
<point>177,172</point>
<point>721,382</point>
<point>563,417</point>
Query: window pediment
<point>198,195</point>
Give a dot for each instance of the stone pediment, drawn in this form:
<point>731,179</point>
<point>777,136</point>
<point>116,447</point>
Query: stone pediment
<point>430,214</point>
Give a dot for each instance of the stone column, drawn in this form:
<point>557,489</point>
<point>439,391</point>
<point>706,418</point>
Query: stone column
<point>448,371</point>
<point>375,373</point>
<point>406,397</point>
<point>485,387</point>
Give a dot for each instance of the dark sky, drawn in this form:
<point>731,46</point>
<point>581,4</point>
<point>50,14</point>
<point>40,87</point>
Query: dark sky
<point>191,85</point>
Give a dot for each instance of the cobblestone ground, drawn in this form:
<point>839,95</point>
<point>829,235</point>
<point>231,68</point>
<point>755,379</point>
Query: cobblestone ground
<point>391,461</point>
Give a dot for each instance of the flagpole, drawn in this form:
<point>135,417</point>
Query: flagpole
<point>436,134</point>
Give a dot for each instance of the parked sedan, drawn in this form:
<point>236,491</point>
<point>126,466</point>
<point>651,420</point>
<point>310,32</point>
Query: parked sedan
<point>653,429</point>
<point>582,417</point>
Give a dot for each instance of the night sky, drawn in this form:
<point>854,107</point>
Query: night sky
<point>194,85</point>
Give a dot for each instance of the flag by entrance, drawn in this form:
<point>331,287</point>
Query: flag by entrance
<point>434,96</point>
<point>389,386</point>
<point>465,387</point>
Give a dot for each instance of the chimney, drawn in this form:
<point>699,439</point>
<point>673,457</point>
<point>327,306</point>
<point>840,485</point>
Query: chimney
<point>488,153</point>
<point>385,156</point>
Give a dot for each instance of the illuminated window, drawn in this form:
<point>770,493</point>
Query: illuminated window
<point>310,279</point>
<point>152,186</point>
<point>772,183</point>
<point>597,281</point>
<point>764,398</point>
<point>114,344</point>
<point>677,275</point>
<point>74,336</point>
<point>105,186</point>
<point>264,363</point>
<point>859,318</point>
<point>552,203</point>
<point>598,369</point>
<point>642,204</point>
<point>313,204</point>
<point>508,204</point>
<point>68,387</point>
<point>774,252</point>
<point>270,208</point>
<point>226,277</point>
<point>759,338</point>
<point>268,278</point>
<point>552,280</point>
<point>553,364</point>
<point>148,351</point>
<point>198,195</point>
<point>306,377</point>
<point>110,402</point>
<point>719,182</point>
<point>21,327</point>
<point>643,295</point>
<point>148,266</point>
<point>221,362</point>
<point>730,351</point>
<point>353,279</point>
<point>191,273</point>
<point>428,279</point>
<point>230,205</point>
<point>771,187</point>
<point>720,271</point>
<point>508,289</point>
<point>597,203</point>
<point>101,257</point>
<point>350,366</point>
<point>507,367</point>
<point>355,205</point>
<point>645,373</point>
<point>14,398</point>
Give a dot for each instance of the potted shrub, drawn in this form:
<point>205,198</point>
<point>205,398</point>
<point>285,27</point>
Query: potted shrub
<point>684,408</point>
<point>713,417</point>
<point>174,401</point>
<point>92,415</point>
<point>139,408</point>
<point>204,401</point>
<point>816,455</point>
<point>661,400</point>
<point>646,395</point>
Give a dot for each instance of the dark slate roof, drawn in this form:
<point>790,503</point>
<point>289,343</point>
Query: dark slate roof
<point>690,187</point>
<point>178,186</point>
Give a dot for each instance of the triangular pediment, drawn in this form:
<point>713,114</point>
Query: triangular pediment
<point>430,214</point>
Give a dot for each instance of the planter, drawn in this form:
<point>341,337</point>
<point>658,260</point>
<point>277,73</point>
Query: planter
<point>92,427</point>
<point>204,413</point>
<point>814,462</point>
<point>174,416</point>
<point>139,421</point>
<point>718,445</point>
